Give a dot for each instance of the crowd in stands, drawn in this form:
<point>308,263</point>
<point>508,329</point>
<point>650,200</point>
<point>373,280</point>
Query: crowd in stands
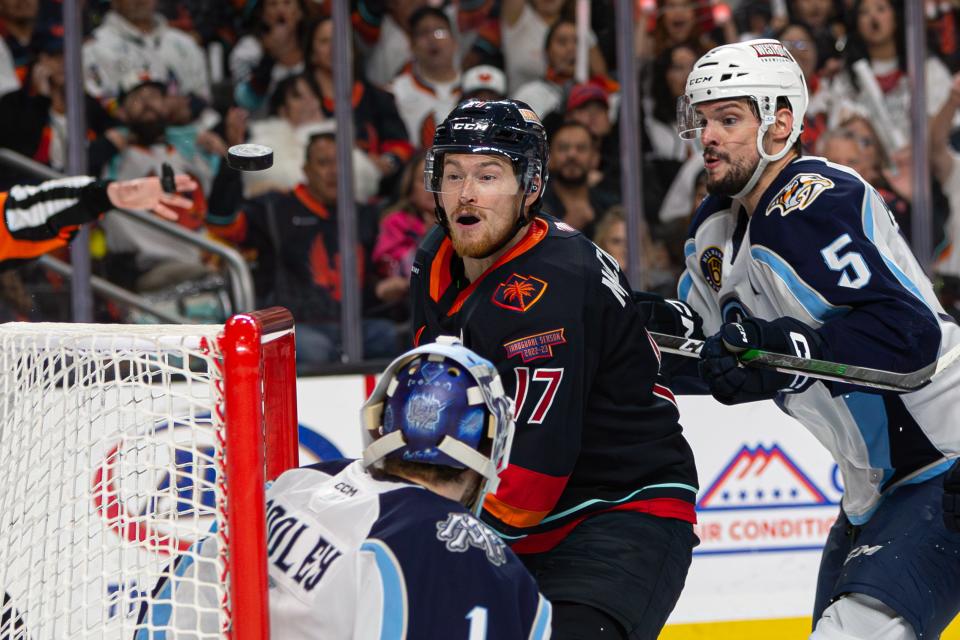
<point>180,81</point>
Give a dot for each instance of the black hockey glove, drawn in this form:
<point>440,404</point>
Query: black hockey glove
<point>951,498</point>
<point>732,383</point>
<point>672,317</point>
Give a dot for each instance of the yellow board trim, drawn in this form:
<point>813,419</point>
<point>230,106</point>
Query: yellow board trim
<point>784,628</point>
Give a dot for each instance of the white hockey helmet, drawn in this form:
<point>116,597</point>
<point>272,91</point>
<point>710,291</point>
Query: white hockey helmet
<point>762,70</point>
<point>441,404</point>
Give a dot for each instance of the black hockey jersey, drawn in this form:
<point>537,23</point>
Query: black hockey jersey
<point>596,429</point>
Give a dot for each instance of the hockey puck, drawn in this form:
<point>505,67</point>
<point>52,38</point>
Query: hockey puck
<point>249,157</point>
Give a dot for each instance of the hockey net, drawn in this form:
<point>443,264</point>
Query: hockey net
<point>121,446</point>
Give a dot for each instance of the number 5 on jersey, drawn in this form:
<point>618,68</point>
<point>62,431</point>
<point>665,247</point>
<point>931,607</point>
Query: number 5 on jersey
<point>552,379</point>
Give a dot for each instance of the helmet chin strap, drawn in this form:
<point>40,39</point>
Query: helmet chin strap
<point>765,159</point>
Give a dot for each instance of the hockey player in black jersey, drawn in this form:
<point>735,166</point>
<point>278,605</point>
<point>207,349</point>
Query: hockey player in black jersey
<point>598,498</point>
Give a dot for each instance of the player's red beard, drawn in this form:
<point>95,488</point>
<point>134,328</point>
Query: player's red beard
<point>494,233</point>
<point>736,177</point>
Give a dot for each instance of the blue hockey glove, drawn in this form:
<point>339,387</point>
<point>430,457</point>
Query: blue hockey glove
<point>672,317</point>
<point>732,383</point>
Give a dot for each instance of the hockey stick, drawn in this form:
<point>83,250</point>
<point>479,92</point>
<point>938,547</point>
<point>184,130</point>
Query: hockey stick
<point>820,369</point>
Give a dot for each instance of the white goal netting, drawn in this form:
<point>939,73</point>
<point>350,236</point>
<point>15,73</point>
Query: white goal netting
<point>111,466</point>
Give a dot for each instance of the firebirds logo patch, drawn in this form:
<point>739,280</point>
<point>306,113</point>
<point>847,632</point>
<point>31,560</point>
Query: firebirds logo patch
<point>711,265</point>
<point>519,293</point>
<point>536,346</point>
<point>799,193</point>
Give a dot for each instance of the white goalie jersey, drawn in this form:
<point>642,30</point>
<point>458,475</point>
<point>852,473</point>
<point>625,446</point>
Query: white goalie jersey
<point>822,248</point>
<point>351,556</point>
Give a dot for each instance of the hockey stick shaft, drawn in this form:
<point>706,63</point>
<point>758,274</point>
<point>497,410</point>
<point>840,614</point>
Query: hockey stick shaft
<point>820,369</point>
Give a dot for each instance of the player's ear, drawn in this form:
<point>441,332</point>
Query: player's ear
<point>782,124</point>
<point>536,189</point>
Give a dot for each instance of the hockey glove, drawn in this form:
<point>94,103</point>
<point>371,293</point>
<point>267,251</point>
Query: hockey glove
<point>733,383</point>
<point>672,317</point>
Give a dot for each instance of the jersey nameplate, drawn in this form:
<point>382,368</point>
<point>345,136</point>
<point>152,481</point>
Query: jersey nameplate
<point>799,193</point>
<point>296,549</point>
<point>460,531</point>
<point>609,270</point>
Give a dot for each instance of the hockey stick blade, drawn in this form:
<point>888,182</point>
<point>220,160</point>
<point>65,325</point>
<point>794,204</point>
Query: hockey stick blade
<point>820,369</point>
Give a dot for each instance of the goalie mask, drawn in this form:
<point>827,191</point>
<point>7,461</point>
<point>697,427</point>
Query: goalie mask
<point>761,70</point>
<point>507,128</point>
<point>441,404</point>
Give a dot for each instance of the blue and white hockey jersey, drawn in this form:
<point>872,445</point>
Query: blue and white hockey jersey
<point>353,557</point>
<point>822,248</point>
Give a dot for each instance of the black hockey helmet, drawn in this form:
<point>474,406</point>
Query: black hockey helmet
<point>508,128</point>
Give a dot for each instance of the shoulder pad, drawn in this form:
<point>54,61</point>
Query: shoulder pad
<point>709,206</point>
<point>330,467</point>
<point>432,241</point>
<point>811,186</point>
<point>559,228</point>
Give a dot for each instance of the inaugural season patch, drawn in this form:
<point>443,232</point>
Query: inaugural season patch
<point>799,193</point>
<point>711,264</point>
<point>536,346</point>
<point>519,293</point>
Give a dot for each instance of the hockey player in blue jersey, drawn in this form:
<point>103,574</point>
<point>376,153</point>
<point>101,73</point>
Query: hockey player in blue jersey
<point>797,255</point>
<point>389,547</point>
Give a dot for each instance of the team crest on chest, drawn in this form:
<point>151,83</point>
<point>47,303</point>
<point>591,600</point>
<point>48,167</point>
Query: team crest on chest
<point>519,293</point>
<point>460,531</point>
<point>799,193</point>
<point>711,264</point>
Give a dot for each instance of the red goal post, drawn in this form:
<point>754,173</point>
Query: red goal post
<point>123,445</point>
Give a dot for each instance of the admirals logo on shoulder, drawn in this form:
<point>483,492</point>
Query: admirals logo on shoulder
<point>460,531</point>
<point>534,347</point>
<point>519,293</point>
<point>711,265</point>
<point>799,193</point>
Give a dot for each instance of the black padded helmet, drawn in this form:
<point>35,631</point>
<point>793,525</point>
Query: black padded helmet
<point>508,128</point>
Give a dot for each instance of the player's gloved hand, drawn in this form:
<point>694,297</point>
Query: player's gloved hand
<point>668,316</point>
<point>733,383</point>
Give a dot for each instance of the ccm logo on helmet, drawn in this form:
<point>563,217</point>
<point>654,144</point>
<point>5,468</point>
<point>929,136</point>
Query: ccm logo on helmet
<point>474,126</point>
<point>701,79</point>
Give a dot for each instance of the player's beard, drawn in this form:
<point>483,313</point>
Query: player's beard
<point>482,245</point>
<point>735,179</point>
